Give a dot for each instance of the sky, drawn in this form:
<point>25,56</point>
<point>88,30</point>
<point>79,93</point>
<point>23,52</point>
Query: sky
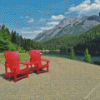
<point>30,17</point>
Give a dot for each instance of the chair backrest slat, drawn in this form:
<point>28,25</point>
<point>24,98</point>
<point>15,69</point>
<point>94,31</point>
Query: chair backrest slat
<point>12,60</point>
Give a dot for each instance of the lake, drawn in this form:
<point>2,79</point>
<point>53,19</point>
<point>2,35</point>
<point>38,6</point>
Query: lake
<point>63,54</point>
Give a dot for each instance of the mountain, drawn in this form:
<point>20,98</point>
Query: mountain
<point>79,43</point>
<point>69,26</point>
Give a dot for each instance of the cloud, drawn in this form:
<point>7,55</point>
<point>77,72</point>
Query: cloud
<point>26,28</point>
<point>87,2</point>
<point>31,32</point>
<point>41,19</point>
<point>27,32</point>
<point>57,17</point>
<point>27,17</point>
<point>53,23</point>
<point>21,17</point>
<point>67,13</point>
<point>31,20</point>
<point>97,1</point>
<point>38,31</point>
<point>86,8</point>
<point>79,8</point>
<point>46,28</point>
<point>72,5</point>
<point>31,36</point>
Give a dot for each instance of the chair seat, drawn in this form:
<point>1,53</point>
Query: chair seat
<point>41,66</point>
<point>22,71</point>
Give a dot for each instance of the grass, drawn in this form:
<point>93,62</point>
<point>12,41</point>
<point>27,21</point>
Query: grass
<point>1,55</point>
<point>23,57</point>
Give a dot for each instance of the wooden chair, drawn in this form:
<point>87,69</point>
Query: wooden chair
<point>36,57</point>
<point>12,62</point>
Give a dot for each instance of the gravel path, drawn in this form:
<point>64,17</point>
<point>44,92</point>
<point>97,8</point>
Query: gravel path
<point>66,80</point>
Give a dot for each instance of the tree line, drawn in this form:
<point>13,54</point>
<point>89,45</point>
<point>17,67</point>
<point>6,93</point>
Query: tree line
<point>14,41</point>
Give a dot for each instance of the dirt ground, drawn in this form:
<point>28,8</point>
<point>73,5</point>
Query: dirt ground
<point>66,80</point>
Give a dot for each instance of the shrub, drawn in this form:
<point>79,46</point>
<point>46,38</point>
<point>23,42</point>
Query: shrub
<point>97,62</point>
<point>17,47</point>
<point>13,46</point>
<point>72,54</point>
<point>4,45</point>
<point>22,51</point>
<point>87,56</point>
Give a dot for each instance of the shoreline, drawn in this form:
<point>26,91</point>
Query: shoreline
<point>70,59</point>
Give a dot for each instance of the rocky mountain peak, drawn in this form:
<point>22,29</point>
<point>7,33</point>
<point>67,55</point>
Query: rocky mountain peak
<point>67,26</point>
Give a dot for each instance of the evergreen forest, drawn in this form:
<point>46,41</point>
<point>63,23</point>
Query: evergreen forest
<point>13,41</point>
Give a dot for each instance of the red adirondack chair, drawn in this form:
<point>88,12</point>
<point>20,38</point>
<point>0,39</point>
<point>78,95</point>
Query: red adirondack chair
<point>36,57</point>
<point>12,62</point>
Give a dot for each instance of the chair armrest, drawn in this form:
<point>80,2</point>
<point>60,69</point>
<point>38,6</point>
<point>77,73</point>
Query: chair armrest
<point>8,66</point>
<point>45,60</point>
<point>5,65</point>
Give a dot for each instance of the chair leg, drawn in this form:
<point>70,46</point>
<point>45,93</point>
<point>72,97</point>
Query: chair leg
<point>15,75</point>
<point>27,75</point>
<point>47,69</point>
<point>31,66</point>
<point>15,79</point>
<point>37,71</point>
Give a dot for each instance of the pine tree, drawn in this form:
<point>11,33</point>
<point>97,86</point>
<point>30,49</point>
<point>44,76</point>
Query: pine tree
<point>13,37</point>
<point>87,56</point>
<point>3,44</point>
<point>4,33</point>
<point>3,27</point>
<point>72,54</point>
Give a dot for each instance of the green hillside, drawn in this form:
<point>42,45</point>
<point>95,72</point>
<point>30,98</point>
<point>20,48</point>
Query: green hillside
<point>90,39</point>
<point>62,42</point>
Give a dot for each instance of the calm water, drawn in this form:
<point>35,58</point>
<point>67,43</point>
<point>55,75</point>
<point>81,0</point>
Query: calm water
<point>62,54</point>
